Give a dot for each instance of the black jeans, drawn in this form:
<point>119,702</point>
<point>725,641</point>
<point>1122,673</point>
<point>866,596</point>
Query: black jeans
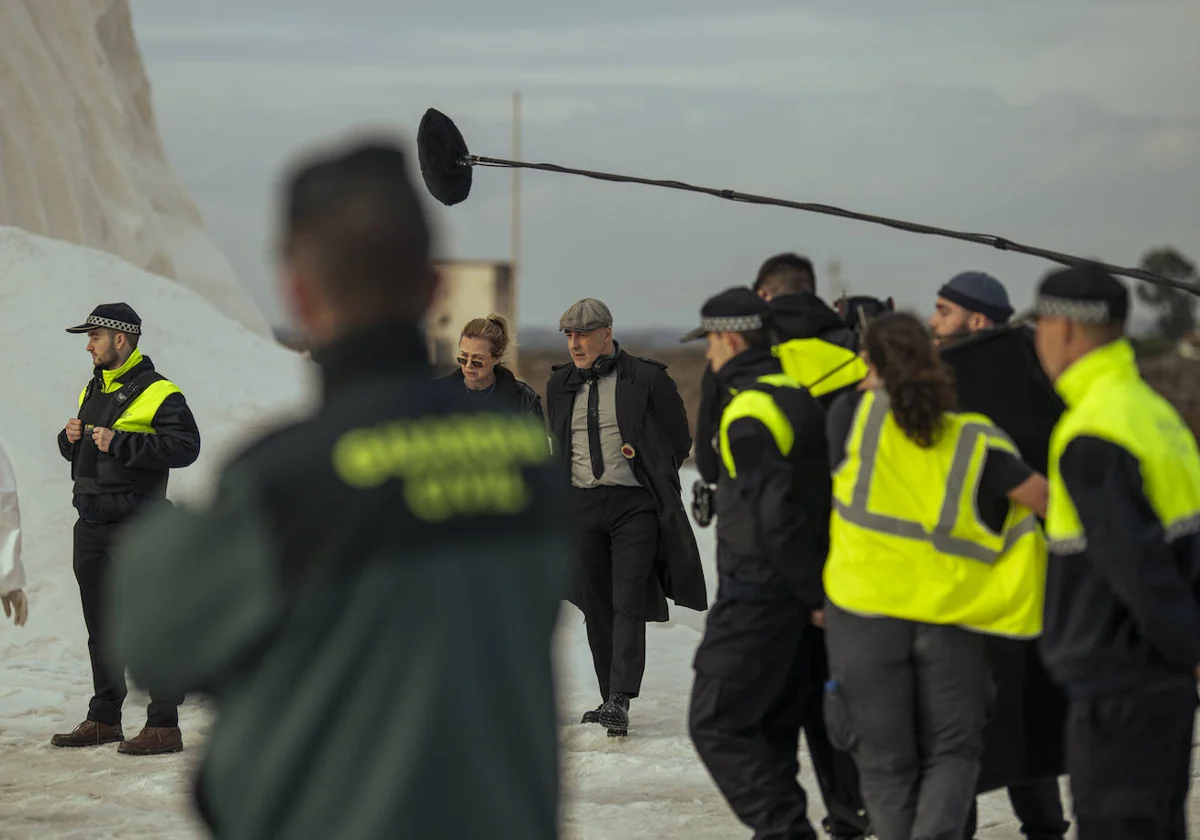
<point>93,542</point>
<point>1130,759</point>
<point>618,542</point>
<point>910,702</point>
<point>748,704</point>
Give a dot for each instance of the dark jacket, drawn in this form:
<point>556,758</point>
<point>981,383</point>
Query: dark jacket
<point>154,432</point>
<point>800,315</point>
<point>998,374</point>
<point>653,420</point>
<point>370,600</point>
<point>773,515</point>
<point>1121,614</point>
<point>507,387</point>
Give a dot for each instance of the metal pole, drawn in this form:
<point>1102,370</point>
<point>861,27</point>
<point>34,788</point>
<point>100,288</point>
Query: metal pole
<point>515,244</point>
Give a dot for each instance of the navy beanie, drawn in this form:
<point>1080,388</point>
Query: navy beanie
<point>979,292</point>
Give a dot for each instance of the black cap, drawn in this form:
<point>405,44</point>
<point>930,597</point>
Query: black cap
<point>113,316</point>
<point>734,310</point>
<point>1085,294</point>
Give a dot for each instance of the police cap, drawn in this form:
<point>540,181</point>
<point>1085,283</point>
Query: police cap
<point>734,310</point>
<point>113,316</point>
<point>1084,294</point>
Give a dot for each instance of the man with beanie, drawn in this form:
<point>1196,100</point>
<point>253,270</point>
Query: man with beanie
<point>621,426</point>
<point>997,374</point>
<point>969,302</point>
<point>1123,586</point>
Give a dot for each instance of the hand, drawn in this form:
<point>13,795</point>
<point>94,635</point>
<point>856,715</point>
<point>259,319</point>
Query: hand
<point>702,503</point>
<point>15,600</point>
<point>103,438</point>
<point>74,430</point>
<point>818,618</point>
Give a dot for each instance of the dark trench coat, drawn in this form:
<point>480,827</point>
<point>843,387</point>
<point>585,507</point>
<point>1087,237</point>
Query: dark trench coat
<point>653,420</point>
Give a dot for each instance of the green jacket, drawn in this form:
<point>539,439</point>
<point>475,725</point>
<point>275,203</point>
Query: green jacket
<point>370,601</point>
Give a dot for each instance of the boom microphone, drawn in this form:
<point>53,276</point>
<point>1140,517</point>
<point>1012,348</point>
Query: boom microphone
<point>446,165</point>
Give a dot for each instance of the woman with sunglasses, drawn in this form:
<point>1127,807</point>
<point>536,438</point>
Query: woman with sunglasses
<point>481,349</point>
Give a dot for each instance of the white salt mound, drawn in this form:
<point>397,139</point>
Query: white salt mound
<point>80,154</point>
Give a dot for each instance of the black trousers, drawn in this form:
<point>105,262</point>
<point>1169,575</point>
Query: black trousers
<point>1129,757</point>
<point>618,542</point>
<point>910,701</point>
<point>1038,805</point>
<point>749,702</point>
<point>93,542</point>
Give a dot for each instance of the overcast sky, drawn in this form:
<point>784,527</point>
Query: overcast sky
<point>1072,125</point>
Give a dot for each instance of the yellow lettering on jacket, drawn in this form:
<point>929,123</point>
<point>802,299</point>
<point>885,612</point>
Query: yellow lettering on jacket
<point>457,465</point>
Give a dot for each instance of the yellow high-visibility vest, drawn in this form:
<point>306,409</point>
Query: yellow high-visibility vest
<point>819,365</point>
<point>1107,398</point>
<point>906,540</point>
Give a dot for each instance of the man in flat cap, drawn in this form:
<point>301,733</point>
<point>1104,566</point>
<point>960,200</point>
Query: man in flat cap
<point>753,666</point>
<point>997,373</point>
<point>622,427</point>
<point>1122,630</point>
<point>133,427</point>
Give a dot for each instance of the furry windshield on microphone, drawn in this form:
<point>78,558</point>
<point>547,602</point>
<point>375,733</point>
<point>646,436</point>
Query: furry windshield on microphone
<point>440,149</point>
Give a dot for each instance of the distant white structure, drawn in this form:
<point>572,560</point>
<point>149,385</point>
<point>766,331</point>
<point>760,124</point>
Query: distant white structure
<point>1189,345</point>
<point>80,155</point>
<point>470,289</point>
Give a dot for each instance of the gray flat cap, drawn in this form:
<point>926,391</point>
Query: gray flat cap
<point>585,315</point>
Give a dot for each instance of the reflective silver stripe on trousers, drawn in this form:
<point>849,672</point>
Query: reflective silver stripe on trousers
<point>943,540</point>
<point>1183,528</point>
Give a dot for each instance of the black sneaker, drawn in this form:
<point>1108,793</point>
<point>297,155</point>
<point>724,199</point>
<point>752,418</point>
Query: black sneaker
<point>614,715</point>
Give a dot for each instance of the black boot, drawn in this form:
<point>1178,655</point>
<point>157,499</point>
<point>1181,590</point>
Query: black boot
<point>592,716</point>
<point>615,715</point>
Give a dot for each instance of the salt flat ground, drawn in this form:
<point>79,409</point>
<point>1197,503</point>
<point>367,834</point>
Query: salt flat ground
<point>650,785</point>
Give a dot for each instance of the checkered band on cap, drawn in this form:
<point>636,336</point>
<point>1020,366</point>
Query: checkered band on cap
<point>1080,311</point>
<point>737,323</point>
<point>119,326</point>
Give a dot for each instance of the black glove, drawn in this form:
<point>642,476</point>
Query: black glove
<point>702,503</point>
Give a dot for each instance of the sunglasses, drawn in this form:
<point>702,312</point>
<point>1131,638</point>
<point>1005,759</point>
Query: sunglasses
<point>475,363</point>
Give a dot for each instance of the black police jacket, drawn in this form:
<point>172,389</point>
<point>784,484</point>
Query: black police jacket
<point>773,515</point>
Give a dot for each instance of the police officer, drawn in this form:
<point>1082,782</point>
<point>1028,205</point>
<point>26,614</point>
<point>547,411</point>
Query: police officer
<point>372,595</point>
<point>1123,594</point>
<point>752,667</point>
<point>133,426</point>
<point>818,349</point>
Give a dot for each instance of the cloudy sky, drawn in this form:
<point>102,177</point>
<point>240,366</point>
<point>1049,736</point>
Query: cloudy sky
<point>1072,125</point>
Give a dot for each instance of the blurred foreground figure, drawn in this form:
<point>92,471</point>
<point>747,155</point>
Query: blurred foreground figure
<point>371,597</point>
<point>1123,593</point>
<point>12,572</point>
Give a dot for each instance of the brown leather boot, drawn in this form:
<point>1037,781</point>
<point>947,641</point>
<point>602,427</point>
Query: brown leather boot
<point>89,734</point>
<point>154,740</point>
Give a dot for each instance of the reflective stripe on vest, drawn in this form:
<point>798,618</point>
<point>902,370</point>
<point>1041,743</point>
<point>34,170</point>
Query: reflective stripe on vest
<point>1107,398</point>
<point>758,404</point>
<point>820,366</point>
<point>906,540</point>
<point>973,436</point>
